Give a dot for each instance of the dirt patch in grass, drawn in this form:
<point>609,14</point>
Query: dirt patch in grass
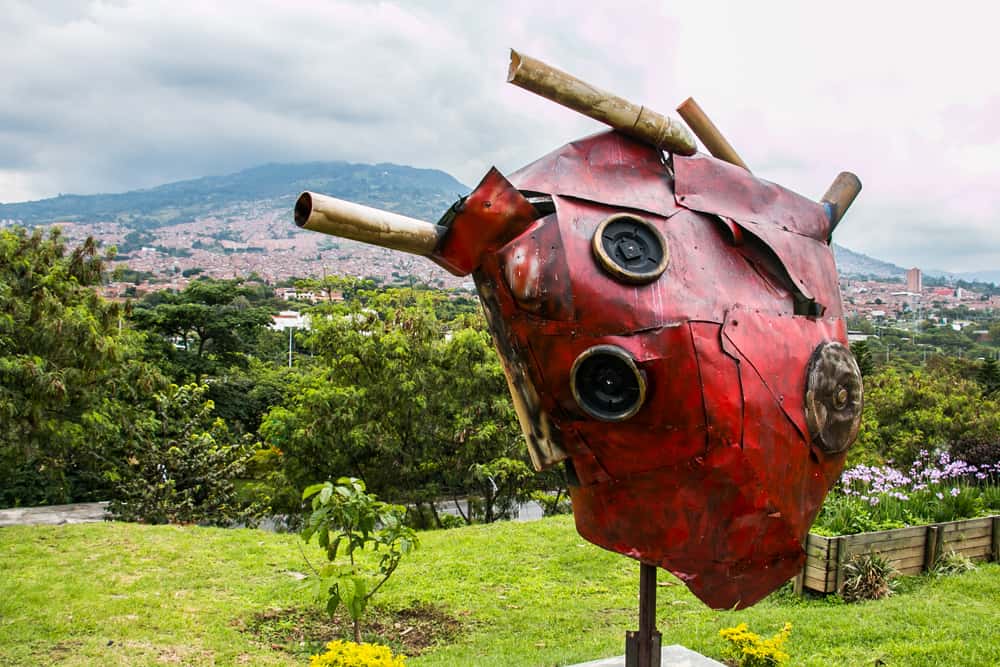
<point>306,630</point>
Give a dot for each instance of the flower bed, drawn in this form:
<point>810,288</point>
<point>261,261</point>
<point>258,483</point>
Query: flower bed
<point>910,518</point>
<point>932,490</point>
<point>909,550</point>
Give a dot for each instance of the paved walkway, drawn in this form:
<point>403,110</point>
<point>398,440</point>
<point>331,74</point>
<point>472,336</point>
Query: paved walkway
<point>53,515</point>
<point>674,655</point>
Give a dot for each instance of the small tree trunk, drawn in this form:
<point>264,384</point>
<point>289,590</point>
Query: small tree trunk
<point>357,632</point>
<point>434,513</point>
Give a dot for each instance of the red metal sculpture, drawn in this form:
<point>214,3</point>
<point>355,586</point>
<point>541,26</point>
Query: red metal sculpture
<point>671,329</point>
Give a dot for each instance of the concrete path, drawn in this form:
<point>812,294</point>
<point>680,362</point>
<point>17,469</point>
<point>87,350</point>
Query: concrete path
<point>53,515</point>
<point>670,656</point>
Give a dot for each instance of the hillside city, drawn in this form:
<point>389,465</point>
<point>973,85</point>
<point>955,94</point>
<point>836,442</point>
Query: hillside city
<point>263,244</point>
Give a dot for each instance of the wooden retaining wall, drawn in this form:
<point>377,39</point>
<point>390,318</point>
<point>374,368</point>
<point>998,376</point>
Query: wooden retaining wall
<point>909,550</point>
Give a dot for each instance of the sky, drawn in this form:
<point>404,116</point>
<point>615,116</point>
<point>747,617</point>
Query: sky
<point>116,95</point>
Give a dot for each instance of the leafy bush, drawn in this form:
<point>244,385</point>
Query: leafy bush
<point>552,503</point>
<point>868,577</point>
<point>977,449</point>
<point>349,654</point>
<point>748,649</point>
<point>503,485</point>
<point>991,497</point>
<point>344,514</point>
<point>952,563</point>
<point>182,465</point>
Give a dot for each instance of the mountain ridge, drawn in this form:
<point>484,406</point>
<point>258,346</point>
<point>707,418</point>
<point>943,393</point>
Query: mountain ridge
<point>423,193</point>
<point>418,192</point>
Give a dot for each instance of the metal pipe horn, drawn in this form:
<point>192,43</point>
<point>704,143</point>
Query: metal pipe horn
<point>337,217</point>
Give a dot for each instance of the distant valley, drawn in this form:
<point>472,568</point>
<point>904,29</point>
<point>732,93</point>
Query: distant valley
<point>240,224</point>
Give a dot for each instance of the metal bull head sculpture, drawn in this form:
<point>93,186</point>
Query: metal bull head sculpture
<point>671,329</point>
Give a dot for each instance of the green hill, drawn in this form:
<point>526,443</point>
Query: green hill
<point>422,193</point>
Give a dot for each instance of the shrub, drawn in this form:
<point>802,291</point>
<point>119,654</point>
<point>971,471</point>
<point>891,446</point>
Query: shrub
<point>977,449</point>
<point>349,654</point>
<point>183,465</point>
<point>868,577</point>
<point>952,563</point>
<point>748,649</point>
<point>991,497</point>
<point>552,503</point>
<point>343,514</point>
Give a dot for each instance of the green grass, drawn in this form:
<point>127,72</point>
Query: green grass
<point>530,594</point>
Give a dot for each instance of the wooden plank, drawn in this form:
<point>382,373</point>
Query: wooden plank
<point>955,545</point>
<point>932,550</point>
<point>799,581</point>
<point>816,571</point>
<point>824,578</point>
<point>817,586</point>
<point>913,563</point>
<point>972,528</point>
<point>819,574</point>
<point>980,554</point>
<point>907,552</point>
<point>818,550</point>
<point>890,544</point>
<point>996,538</point>
<point>841,546</point>
<point>863,539</point>
<point>964,524</point>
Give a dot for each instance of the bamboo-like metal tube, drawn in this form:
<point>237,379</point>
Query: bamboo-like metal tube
<point>337,217</point>
<point>839,196</point>
<point>632,119</point>
<point>705,129</point>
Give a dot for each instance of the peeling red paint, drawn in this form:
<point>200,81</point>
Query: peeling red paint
<point>716,477</point>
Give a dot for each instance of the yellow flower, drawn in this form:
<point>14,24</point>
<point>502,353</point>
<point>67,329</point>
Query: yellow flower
<point>348,654</point>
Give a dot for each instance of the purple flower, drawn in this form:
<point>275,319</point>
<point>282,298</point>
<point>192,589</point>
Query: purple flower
<point>940,496</point>
<point>954,491</point>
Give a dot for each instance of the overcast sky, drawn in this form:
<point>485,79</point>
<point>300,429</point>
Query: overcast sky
<point>116,95</point>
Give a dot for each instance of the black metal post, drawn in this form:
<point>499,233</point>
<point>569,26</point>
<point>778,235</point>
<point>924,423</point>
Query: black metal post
<point>642,648</point>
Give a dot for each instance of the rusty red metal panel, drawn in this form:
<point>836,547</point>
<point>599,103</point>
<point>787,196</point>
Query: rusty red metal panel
<point>702,521</point>
<point>486,220</point>
<point>712,186</point>
<point>720,386</point>
<point>535,271</point>
<point>606,167</point>
<point>711,471</point>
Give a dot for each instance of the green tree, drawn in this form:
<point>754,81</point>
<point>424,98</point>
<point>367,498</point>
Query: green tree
<point>989,376</point>
<point>864,357</point>
<point>400,399</point>
<point>922,410</point>
<point>182,464</point>
<point>209,326</point>
<point>345,515</point>
<point>65,361</point>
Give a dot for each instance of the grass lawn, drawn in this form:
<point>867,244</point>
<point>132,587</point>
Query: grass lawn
<point>532,594</point>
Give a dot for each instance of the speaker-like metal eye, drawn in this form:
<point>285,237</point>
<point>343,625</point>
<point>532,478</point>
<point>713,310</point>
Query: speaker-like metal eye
<point>631,249</point>
<point>833,397</point>
<point>606,383</point>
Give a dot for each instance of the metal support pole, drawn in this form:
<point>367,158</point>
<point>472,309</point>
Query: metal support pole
<point>642,648</point>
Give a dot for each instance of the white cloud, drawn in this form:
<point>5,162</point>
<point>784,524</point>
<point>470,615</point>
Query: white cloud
<point>104,96</point>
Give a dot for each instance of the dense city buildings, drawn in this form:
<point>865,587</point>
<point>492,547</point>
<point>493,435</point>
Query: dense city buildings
<point>265,245</point>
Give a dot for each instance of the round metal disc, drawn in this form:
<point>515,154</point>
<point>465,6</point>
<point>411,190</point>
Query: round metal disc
<point>607,384</point>
<point>630,248</point>
<point>833,397</point>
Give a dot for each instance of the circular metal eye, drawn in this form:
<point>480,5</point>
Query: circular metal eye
<point>833,397</point>
<point>631,249</point>
<point>606,383</point>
